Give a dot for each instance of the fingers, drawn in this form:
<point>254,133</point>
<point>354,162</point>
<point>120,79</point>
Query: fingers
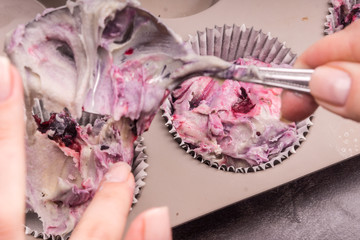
<point>153,224</point>
<point>296,106</point>
<point>106,215</point>
<point>105,218</point>
<point>336,87</point>
<point>336,78</point>
<point>341,46</point>
<point>12,158</point>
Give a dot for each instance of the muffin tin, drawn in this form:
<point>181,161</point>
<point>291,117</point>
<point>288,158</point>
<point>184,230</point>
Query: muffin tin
<point>191,189</point>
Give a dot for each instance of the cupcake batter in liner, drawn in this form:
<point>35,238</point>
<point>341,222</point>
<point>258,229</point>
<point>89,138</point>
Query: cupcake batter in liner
<point>231,43</point>
<point>81,58</point>
<point>341,14</point>
<point>33,226</point>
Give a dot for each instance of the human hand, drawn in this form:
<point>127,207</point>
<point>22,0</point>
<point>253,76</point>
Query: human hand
<point>335,84</point>
<point>106,216</point>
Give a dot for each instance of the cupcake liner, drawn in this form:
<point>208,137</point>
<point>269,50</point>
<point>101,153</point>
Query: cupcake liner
<point>341,13</point>
<point>231,43</point>
<point>139,167</point>
<point>33,226</point>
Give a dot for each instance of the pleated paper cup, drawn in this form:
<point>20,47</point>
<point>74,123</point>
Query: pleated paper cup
<point>341,14</point>
<point>231,43</point>
<point>34,227</point>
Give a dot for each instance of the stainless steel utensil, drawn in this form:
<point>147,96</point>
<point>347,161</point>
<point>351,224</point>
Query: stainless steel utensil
<point>90,42</point>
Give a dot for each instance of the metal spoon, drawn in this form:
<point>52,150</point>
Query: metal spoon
<point>99,46</point>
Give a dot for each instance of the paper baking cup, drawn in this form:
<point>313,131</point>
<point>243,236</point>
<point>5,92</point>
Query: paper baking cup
<point>333,24</point>
<point>33,226</point>
<point>231,43</point>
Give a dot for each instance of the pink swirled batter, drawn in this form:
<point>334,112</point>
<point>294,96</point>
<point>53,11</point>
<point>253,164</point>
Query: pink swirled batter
<point>232,122</point>
<point>88,56</point>
<point>343,13</point>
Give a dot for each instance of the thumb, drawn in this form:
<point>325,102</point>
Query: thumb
<point>12,158</point>
<point>336,87</point>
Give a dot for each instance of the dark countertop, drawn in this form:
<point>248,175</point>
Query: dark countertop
<point>323,205</point>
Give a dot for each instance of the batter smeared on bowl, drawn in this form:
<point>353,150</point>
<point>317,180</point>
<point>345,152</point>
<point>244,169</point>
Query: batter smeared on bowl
<point>103,57</point>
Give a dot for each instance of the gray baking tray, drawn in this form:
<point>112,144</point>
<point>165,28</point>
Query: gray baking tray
<point>192,189</point>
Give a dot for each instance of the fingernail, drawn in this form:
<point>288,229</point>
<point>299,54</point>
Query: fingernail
<point>119,172</point>
<point>153,219</point>
<point>330,85</point>
<point>5,79</point>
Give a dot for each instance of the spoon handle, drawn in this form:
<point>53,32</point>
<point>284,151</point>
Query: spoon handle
<point>286,78</point>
